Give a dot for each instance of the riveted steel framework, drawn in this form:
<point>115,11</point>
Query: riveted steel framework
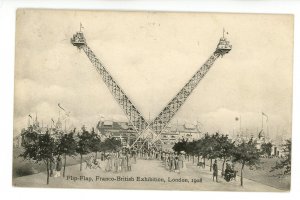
<point>134,116</point>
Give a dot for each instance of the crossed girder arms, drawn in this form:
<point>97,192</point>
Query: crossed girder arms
<point>134,116</point>
<point>132,113</point>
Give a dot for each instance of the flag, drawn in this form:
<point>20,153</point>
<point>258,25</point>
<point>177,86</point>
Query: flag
<point>264,114</point>
<point>52,120</point>
<point>61,107</point>
<point>29,116</point>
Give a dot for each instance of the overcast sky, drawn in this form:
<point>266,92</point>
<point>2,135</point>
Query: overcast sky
<point>151,56</point>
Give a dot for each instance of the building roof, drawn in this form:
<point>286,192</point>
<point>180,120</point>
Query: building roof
<point>112,126</point>
<point>184,128</point>
<point>108,123</point>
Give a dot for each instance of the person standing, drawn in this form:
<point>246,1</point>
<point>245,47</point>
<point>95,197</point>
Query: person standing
<point>167,161</point>
<point>52,167</point>
<point>129,162</point>
<point>134,157</point>
<point>108,163</point>
<point>58,166</point>
<point>176,164</point>
<point>215,171</point>
<point>172,162</point>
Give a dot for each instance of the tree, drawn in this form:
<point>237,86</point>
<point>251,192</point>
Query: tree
<point>66,146</point>
<point>212,149</point>
<point>285,163</point>
<point>191,148</point>
<point>225,149</point>
<point>266,148</point>
<point>246,153</point>
<point>111,144</point>
<point>39,148</point>
<point>180,146</point>
<point>95,143</point>
<point>83,145</point>
<point>203,147</point>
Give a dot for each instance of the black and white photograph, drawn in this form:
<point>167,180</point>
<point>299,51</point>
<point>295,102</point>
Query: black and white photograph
<point>153,100</point>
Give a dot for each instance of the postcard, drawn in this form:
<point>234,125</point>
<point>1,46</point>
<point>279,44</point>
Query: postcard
<point>153,100</point>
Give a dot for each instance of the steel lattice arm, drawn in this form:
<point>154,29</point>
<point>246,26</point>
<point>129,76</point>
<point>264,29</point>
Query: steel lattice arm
<point>127,106</point>
<point>165,116</point>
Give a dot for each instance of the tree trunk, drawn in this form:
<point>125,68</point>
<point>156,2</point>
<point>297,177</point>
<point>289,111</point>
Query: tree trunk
<point>223,167</point>
<point>65,162</point>
<point>198,159</point>
<point>47,164</point>
<point>204,162</point>
<point>210,167</point>
<point>242,173</point>
<point>80,162</point>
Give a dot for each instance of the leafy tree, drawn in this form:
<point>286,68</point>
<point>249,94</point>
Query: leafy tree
<point>39,148</point>
<point>95,143</point>
<point>246,153</point>
<point>266,148</point>
<point>191,148</point>
<point>111,144</point>
<point>83,144</point>
<point>203,147</point>
<point>286,162</point>
<point>212,149</point>
<point>180,146</point>
<point>198,144</point>
<point>225,148</point>
<point>66,146</point>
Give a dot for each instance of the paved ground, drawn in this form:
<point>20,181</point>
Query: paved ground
<point>97,178</point>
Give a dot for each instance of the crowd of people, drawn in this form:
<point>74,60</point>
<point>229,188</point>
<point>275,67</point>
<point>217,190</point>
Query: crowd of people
<point>174,162</point>
<point>121,161</point>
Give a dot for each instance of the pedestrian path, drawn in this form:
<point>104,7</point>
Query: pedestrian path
<point>151,173</point>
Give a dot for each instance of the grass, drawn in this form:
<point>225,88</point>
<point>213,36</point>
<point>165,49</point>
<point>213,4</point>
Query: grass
<point>23,167</point>
<point>263,175</point>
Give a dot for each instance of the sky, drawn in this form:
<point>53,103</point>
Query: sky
<point>151,55</point>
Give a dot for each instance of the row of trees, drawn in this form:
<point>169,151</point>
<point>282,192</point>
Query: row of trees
<point>46,147</point>
<point>219,146</point>
<point>285,163</point>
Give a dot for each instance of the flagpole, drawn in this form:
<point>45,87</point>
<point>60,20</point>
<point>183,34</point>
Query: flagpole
<point>28,122</point>
<point>240,125</point>
<point>262,121</point>
<point>268,128</point>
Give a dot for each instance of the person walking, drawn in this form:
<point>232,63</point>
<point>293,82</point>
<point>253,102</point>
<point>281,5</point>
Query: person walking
<point>215,171</point>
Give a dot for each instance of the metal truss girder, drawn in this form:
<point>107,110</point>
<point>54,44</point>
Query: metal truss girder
<point>133,115</point>
<point>165,116</point>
